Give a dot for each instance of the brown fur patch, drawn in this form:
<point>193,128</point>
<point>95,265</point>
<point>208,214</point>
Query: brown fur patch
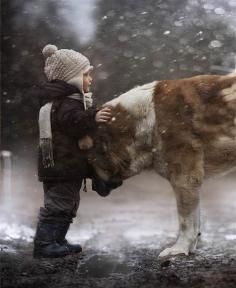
<point>85,143</point>
<point>192,114</point>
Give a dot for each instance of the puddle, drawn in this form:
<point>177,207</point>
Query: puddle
<point>101,266</point>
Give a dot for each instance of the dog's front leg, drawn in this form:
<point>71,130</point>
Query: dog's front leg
<point>186,175</point>
<point>189,222</point>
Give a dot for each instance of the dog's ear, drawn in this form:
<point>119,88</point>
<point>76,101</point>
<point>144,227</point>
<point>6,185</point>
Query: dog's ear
<point>85,143</point>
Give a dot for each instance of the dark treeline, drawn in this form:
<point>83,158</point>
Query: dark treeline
<point>22,64</point>
<point>135,41</point>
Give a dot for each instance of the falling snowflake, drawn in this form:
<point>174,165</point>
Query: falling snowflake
<point>167,32</point>
<point>215,44</point>
<point>219,11</point>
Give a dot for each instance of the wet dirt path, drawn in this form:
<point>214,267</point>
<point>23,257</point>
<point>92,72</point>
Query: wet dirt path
<point>122,236</point>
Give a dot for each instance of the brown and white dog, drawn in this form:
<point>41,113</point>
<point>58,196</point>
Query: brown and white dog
<point>184,129</point>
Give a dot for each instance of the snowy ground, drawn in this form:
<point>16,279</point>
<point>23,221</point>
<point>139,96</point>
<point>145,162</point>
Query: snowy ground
<point>122,236</point>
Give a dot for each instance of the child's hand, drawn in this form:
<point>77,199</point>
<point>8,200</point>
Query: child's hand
<point>103,115</point>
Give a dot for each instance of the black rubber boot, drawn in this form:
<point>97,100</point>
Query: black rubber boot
<point>61,234</point>
<point>45,244</point>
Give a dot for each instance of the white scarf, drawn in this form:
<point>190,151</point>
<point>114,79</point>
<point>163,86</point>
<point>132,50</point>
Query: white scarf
<point>45,129</point>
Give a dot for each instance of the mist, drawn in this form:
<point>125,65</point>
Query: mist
<point>129,43</point>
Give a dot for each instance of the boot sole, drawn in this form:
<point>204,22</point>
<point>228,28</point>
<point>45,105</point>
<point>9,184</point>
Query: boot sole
<point>39,256</point>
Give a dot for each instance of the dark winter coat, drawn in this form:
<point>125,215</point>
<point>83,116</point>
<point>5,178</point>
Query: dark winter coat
<point>70,122</point>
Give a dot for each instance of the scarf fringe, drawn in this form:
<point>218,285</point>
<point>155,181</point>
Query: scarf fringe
<point>47,152</point>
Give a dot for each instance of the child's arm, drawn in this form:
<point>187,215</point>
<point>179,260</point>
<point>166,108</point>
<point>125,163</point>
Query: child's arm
<point>79,122</point>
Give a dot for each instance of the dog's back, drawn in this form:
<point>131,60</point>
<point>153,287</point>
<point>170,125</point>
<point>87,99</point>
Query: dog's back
<point>199,112</point>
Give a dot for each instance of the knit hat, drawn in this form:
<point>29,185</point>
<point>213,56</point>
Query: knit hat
<point>67,65</point>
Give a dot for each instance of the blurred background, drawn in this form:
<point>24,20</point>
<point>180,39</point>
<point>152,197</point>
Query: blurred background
<point>130,43</point>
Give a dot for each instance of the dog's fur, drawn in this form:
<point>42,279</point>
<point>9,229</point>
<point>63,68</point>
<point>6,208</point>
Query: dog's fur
<point>184,129</point>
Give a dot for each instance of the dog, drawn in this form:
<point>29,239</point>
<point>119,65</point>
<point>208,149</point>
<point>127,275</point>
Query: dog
<point>183,129</point>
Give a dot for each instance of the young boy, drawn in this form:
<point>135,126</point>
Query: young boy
<point>66,116</point>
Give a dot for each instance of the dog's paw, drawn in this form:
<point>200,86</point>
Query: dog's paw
<point>173,251</point>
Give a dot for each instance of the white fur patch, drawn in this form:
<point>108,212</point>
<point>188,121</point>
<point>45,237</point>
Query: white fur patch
<point>232,74</point>
<point>137,101</point>
<point>229,93</point>
<point>188,237</point>
<point>139,161</point>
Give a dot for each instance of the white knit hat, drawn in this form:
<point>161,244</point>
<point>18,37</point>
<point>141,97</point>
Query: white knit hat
<point>67,65</point>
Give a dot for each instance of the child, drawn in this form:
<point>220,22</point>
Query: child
<point>66,117</point>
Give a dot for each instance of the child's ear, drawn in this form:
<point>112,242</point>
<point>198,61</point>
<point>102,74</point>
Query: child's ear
<point>85,143</point>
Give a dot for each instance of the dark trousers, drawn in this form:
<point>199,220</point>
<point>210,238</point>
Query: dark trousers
<point>61,201</point>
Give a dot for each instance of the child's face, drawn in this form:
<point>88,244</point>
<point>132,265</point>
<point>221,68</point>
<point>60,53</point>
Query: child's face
<point>87,81</point>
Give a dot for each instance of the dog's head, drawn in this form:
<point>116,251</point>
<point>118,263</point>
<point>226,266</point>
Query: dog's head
<point>107,149</point>
<point>107,154</point>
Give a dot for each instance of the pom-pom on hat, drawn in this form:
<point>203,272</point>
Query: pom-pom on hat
<point>48,50</point>
<point>64,64</point>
